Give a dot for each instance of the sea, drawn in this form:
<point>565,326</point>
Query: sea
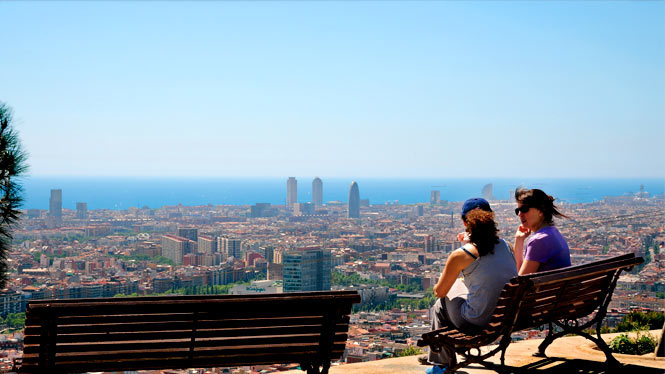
<point>125,192</point>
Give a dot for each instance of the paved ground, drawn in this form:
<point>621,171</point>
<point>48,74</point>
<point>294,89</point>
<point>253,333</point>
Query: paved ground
<point>566,355</point>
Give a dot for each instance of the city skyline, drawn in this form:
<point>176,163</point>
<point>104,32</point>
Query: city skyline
<point>399,89</point>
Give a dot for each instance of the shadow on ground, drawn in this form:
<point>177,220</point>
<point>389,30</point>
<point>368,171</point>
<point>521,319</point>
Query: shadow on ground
<point>573,366</point>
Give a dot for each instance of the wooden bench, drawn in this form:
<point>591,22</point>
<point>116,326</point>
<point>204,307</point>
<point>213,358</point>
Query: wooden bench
<point>565,297</point>
<point>65,336</point>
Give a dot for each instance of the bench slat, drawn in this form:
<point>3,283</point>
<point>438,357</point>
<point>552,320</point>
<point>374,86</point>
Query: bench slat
<point>180,325</point>
<point>30,341</point>
<point>262,310</point>
<point>181,304</point>
<point>585,272</point>
<point>580,287</point>
<point>165,344</point>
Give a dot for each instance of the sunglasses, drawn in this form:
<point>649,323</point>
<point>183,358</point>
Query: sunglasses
<point>522,209</point>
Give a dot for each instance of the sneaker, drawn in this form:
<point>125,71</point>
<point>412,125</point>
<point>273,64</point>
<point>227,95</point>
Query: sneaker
<point>436,369</point>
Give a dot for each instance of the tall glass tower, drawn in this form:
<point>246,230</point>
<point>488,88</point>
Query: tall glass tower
<point>306,270</point>
<point>354,201</point>
<point>291,192</point>
<point>55,208</point>
<point>317,192</point>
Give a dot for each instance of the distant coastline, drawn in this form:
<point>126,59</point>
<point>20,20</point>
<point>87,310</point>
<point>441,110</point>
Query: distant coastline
<point>125,192</point>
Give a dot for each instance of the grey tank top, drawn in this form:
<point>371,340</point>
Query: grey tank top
<point>484,280</point>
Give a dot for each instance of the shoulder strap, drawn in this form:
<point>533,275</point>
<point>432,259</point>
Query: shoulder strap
<point>470,254</point>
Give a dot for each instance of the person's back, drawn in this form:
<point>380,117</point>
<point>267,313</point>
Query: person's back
<point>484,280</point>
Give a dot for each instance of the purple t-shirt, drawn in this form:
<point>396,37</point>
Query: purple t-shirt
<point>548,247</point>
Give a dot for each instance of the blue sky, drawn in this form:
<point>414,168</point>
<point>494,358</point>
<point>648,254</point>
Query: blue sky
<point>336,89</point>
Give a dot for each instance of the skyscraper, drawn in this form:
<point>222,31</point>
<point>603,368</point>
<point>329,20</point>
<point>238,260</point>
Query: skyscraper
<point>435,197</point>
<point>175,247</point>
<point>190,233</point>
<point>229,247</point>
<point>306,270</point>
<point>317,192</point>
<point>291,192</point>
<point>488,192</point>
<point>55,208</point>
<point>207,244</point>
<point>81,210</point>
<point>354,201</point>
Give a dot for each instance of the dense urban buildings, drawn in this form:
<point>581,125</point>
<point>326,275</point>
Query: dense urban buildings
<point>392,257</point>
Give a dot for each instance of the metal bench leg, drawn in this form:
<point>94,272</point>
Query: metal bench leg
<point>610,360</point>
<point>311,368</point>
<point>505,342</point>
<point>548,340</point>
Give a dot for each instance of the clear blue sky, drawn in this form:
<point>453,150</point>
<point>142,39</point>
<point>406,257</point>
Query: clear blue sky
<point>336,89</point>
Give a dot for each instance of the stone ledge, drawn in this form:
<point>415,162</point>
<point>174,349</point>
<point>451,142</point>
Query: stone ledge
<point>565,355</point>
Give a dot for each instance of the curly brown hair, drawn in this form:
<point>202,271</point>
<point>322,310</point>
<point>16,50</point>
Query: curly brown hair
<point>482,230</point>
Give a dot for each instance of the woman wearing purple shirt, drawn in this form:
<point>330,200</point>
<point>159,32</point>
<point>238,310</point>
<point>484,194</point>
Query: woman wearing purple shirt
<point>539,246</point>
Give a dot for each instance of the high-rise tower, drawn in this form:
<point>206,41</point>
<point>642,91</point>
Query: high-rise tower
<point>55,208</point>
<point>354,201</point>
<point>82,210</point>
<point>306,270</point>
<point>317,192</point>
<point>291,192</point>
<point>488,193</point>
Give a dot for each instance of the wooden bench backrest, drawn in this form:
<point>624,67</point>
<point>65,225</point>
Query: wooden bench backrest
<point>568,293</point>
<point>182,332</point>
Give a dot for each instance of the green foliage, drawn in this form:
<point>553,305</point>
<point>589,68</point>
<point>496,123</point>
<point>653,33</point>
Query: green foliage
<point>637,320</point>
<point>156,260</point>
<point>623,344</point>
<point>643,343</point>
<point>408,304</point>
<point>12,166</point>
<point>411,350</point>
<point>660,295</point>
<point>14,321</point>
<point>606,248</point>
<point>645,253</point>
<point>339,279</point>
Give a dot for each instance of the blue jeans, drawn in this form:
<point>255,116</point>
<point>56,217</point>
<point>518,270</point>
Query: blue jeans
<point>447,310</point>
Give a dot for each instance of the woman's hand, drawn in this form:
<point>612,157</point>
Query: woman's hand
<point>463,237</point>
<point>521,233</point>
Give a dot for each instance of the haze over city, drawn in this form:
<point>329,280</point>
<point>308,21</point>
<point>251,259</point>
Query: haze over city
<point>337,89</point>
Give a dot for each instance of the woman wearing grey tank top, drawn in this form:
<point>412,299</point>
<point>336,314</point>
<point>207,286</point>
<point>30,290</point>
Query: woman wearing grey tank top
<point>486,263</point>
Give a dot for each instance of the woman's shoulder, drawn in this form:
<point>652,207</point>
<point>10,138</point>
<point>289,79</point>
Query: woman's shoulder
<point>545,232</point>
<point>466,251</point>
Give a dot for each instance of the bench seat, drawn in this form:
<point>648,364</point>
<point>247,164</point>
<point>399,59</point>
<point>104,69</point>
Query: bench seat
<point>63,336</point>
<point>573,298</point>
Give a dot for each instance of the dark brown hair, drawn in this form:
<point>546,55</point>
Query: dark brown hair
<point>482,230</point>
<point>538,199</point>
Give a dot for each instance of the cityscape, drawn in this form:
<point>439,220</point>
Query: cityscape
<point>319,154</point>
<point>392,254</point>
